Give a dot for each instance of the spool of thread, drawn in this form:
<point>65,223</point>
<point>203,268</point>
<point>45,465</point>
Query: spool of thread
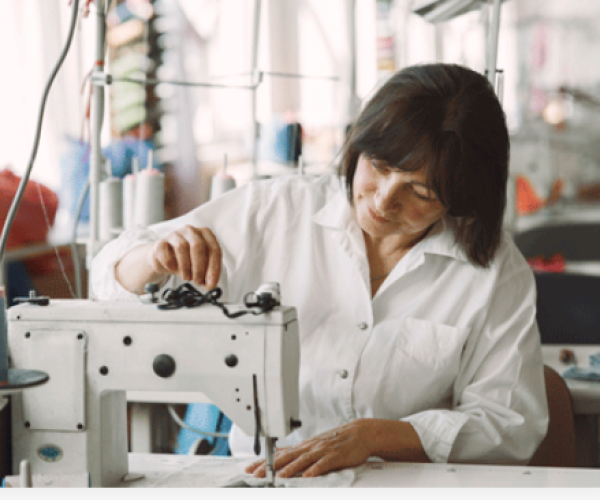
<point>149,197</point>
<point>129,183</point>
<point>129,190</point>
<point>221,183</point>
<point>110,219</point>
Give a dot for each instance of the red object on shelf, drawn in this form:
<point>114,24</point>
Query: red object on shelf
<point>30,224</point>
<point>528,201</point>
<point>554,264</point>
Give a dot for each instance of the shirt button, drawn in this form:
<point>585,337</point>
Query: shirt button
<point>363,326</point>
<point>343,373</point>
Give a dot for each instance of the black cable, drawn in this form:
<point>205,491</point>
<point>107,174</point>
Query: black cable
<point>188,296</point>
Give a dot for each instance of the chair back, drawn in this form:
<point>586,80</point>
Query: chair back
<point>558,447</point>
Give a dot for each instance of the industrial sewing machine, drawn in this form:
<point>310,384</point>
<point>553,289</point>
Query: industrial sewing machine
<point>94,351</point>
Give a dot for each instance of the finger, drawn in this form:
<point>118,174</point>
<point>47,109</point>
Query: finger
<point>260,471</point>
<point>163,258</point>
<point>285,456</point>
<point>328,463</point>
<point>301,463</point>
<point>282,458</point>
<point>197,254</point>
<point>215,256</point>
<point>253,466</point>
<point>181,248</point>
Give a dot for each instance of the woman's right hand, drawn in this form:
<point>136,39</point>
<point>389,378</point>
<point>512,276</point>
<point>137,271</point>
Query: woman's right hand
<point>192,253</point>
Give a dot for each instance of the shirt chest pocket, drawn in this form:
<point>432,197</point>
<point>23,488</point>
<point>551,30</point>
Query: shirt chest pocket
<point>432,345</point>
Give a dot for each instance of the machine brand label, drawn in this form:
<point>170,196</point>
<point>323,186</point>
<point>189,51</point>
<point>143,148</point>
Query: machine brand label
<point>50,453</point>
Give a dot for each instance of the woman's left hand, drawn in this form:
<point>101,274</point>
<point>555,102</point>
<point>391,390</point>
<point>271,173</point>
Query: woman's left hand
<point>338,448</point>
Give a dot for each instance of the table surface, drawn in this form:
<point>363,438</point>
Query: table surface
<point>586,395</point>
<point>398,475</point>
<point>564,213</point>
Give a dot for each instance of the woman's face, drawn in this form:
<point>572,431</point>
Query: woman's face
<point>389,201</point>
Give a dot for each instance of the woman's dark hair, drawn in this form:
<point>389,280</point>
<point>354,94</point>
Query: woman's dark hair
<point>447,119</point>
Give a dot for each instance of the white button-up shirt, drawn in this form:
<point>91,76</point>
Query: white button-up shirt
<point>449,347</point>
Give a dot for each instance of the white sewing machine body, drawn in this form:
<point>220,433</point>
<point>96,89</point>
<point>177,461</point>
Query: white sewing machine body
<point>94,351</point>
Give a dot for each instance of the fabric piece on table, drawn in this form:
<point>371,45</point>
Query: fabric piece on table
<point>230,473</point>
<point>589,374</point>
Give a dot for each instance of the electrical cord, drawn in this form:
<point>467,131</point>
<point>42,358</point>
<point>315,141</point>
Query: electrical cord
<point>182,424</point>
<point>187,296</point>
<point>21,189</point>
<point>59,260</point>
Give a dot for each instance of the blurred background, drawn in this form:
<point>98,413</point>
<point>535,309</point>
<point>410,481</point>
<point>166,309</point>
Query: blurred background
<point>547,52</point>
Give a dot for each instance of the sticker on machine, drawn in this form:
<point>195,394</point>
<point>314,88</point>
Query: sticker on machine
<point>50,453</point>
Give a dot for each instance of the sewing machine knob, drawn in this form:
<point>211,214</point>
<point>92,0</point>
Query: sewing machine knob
<point>231,360</point>
<point>164,365</point>
<point>152,289</point>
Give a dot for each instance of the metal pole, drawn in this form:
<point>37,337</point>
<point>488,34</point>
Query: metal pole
<point>351,17</point>
<point>257,78</point>
<point>492,58</point>
<point>500,86</point>
<point>96,159</point>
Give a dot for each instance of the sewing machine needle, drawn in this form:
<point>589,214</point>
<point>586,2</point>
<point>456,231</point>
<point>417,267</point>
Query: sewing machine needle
<point>270,459</point>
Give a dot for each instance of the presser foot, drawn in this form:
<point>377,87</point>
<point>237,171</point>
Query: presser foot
<point>270,478</point>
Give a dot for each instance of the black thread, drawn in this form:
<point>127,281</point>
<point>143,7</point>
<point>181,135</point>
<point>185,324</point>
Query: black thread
<point>188,296</point>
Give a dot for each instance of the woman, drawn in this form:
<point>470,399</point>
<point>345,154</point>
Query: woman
<point>416,313</point>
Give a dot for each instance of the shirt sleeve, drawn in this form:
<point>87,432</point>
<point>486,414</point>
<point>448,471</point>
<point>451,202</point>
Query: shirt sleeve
<point>500,412</point>
<point>233,217</point>
<point>104,284</point>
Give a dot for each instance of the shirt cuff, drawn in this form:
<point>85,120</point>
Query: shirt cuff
<point>437,430</point>
<point>104,283</point>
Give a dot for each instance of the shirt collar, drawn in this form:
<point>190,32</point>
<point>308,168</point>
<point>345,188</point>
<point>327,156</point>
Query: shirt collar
<point>337,213</point>
<point>442,241</point>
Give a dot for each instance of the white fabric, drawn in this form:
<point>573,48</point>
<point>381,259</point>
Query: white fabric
<point>451,348</point>
<point>227,472</point>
